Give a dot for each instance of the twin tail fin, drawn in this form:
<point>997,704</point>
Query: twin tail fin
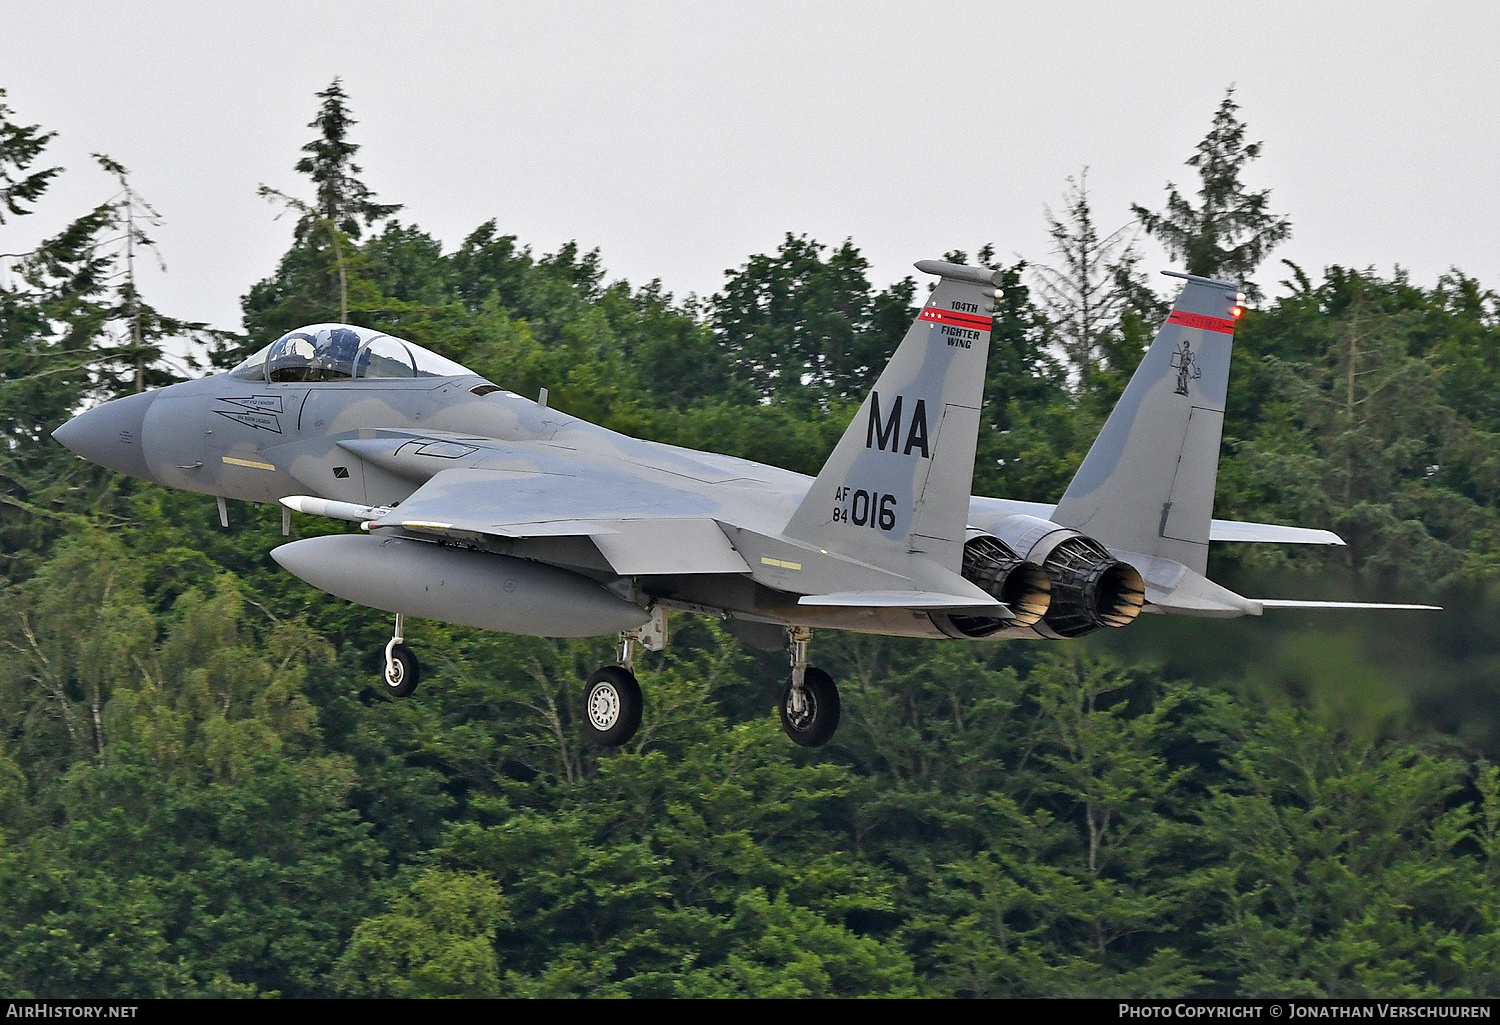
<point>898,482</point>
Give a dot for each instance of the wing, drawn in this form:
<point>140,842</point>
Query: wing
<point>640,527</point>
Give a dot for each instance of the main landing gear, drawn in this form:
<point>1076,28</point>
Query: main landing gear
<point>401,669</point>
<point>810,703</point>
<point>611,706</point>
<point>612,702</point>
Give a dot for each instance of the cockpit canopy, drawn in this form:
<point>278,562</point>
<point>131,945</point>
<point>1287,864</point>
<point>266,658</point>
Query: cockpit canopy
<point>339,352</point>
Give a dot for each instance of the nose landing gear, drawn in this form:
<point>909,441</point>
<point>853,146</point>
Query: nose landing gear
<point>401,671</point>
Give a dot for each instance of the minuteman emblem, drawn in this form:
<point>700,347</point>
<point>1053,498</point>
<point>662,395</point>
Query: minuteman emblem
<point>1187,367</point>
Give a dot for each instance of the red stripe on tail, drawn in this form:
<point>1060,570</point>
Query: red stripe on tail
<point>972,321</point>
<point>1222,325</point>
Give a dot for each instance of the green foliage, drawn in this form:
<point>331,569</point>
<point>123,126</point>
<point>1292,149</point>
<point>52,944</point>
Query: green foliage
<point>203,793</point>
<point>20,145</point>
<point>1232,230</point>
<point>1377,834</point>
<point>1031,441</point>
<point>1344,382</point>
<point>801,329</point>
<point>1093,287</point>
<point>67,336</point>
<point>342,198</point>
<point>436,941</point>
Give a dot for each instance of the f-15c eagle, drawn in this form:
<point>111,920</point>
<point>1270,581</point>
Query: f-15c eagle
<point>485,508</point>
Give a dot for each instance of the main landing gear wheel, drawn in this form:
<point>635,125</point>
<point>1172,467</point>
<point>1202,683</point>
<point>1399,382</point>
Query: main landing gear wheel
<point>611,706</point>
<point>401,671</point>
<point>811,719</point>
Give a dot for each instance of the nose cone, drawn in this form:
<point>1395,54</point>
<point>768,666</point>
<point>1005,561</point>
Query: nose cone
<point>110,435</point>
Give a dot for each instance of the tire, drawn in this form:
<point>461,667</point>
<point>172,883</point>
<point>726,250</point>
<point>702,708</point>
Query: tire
<point>399,676</point>
<point>611,706</point>
<point>814,727</point>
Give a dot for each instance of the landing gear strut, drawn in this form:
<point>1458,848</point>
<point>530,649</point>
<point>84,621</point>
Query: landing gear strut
<point>612,701</point>
<point>401,669</point>
<point>810,703</point>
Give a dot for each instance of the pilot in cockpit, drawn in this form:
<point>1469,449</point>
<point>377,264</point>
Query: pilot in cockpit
<point>337,354</point>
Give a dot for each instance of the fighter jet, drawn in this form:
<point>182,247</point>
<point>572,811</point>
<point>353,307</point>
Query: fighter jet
<point>480,507</point>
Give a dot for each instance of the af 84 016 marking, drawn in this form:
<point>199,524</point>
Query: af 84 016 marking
<point>865,508</point>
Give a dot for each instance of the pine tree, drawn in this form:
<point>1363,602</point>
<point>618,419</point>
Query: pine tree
<point>20,145</point>
<point>51,310</point>
<point>1232,229</point>
<point>132,342</point>
<point>73,330</point>
<point>342,197</point>
<point>321,267</point>
<point>1088,292</point>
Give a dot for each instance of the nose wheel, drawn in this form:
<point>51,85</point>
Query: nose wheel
<point>810,703</point>
<point>401,671</point>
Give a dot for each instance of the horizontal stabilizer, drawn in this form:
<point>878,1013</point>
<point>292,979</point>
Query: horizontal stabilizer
<point>1175,590</point>
<point>1271,533</point>
<point>1286,603</point>
<point>985,511</point>
<point>926,601</point>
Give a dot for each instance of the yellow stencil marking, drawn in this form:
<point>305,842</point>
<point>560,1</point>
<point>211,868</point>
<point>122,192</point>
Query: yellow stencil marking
<point>232,461</point>
<point>766,561</point>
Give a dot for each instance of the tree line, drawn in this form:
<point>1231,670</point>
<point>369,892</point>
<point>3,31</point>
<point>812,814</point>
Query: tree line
<point>202,792</point>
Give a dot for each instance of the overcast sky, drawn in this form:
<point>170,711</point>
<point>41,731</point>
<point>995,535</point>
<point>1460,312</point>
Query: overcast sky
<point>680,138</point>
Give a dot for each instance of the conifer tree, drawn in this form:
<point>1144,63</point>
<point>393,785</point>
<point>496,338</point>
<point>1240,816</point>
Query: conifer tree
<point>1089,290</point>
<point>132,343</point>
<point>342,197</point>
<point>1232,229</point>
<point>316,277</point>
<point>20,145</point>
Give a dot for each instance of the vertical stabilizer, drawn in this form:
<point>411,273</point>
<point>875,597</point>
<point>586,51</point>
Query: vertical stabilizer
<point>1147,484</point>
<point>898,481</point>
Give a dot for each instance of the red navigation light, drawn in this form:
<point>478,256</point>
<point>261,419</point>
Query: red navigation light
<point>1236,312</point>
